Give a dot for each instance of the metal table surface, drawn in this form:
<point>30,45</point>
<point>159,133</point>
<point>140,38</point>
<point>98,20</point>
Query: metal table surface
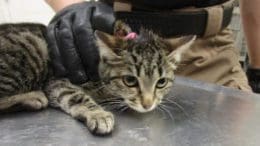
<point>209,115</point>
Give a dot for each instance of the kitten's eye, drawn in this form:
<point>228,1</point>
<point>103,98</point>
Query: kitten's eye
<point>161,83</point>
<point>130,81</point>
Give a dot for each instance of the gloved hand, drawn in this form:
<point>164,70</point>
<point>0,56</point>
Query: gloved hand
<point>70,37</point>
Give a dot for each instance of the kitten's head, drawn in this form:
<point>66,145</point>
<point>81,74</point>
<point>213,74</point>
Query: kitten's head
<point>140,70</point>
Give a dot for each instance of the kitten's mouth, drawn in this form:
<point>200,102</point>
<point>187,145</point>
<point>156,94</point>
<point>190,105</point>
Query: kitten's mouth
<point>140,108</point>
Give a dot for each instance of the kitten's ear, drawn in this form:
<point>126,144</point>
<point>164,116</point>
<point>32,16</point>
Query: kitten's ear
<point>178,46</point>
<point>107,45</point>
<point>121,29</point>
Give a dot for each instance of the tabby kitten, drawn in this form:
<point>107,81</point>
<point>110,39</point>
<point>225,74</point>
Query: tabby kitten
<point>135,73</point>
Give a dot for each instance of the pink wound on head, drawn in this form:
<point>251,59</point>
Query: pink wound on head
<point>131,36</point>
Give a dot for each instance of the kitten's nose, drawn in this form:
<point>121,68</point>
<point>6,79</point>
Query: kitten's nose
<point>147,104</point>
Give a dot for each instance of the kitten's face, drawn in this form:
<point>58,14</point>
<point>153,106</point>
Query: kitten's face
<point>141,71</point>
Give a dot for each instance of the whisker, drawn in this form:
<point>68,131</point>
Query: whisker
<point>170,97</point>
<point>163,113</point>
<point>110,103</point>
<point>165,105</point>
<point>178,105</point>
<point>117,107</point>
<point>107,101</point>
<point>123,109</point>
<point>167,111</point>
<point>113,105</point>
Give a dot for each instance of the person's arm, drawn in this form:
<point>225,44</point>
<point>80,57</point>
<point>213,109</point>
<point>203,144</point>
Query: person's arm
<point>250,10</point>
<point>58,5</point>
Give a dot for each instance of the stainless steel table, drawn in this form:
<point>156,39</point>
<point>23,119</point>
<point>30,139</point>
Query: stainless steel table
<point>209,115</point>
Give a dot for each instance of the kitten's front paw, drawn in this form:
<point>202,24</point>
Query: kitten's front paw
<point>36,102</point>
<point>100,122</point>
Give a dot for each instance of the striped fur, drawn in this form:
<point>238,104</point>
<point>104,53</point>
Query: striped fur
<point>23,66</point>
<point>133,74</point>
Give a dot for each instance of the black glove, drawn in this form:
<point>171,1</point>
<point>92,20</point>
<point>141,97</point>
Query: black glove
<point>70,37</point>
<point>254,79</point>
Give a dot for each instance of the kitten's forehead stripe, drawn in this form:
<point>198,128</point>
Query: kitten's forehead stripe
<point>137,67</point>
<point>160,70</point>
<point>134,58</point>
<point>147,56</point>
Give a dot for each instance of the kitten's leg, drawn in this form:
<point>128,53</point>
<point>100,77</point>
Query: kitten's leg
<point>34,100</point>
<point>73,100</point>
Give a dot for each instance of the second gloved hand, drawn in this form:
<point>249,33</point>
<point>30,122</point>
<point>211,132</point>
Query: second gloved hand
<point>71,40</point>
